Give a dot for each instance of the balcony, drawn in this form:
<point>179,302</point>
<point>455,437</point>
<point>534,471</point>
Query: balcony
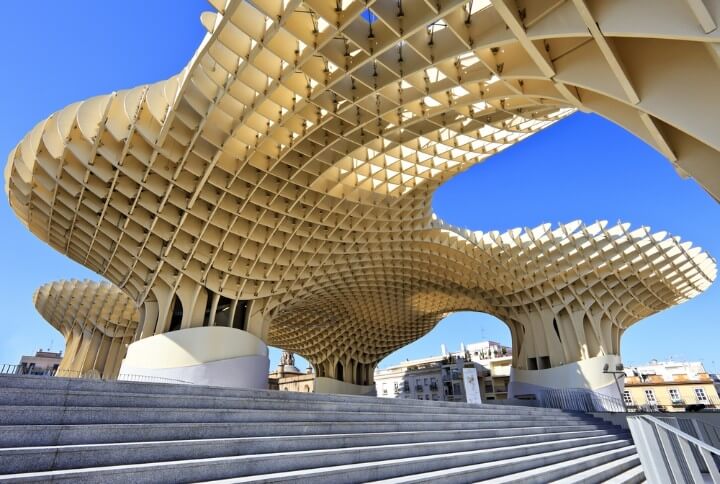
<point>501,371</point>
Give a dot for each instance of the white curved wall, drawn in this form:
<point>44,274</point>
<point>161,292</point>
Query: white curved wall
<point>586,374</point>
<point>214,355</point>
<point>330,385</point>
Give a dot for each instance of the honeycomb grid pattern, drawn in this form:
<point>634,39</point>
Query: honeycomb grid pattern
<point>97,320</point>
<point>290,166</point>
<point>566,293</point>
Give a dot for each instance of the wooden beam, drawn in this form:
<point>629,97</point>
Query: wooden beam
<point>508,11</point>
<point>703,15</point>
<point>608,51</point>
<point>661,142</point>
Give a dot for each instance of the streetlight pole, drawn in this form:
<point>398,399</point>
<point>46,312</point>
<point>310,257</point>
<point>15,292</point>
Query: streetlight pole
<point>617,373</point>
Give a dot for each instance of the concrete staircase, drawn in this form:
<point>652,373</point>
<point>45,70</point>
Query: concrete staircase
<point>71,430</point>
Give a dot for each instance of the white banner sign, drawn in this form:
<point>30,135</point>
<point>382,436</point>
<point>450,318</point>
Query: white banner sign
<point>472,386</point>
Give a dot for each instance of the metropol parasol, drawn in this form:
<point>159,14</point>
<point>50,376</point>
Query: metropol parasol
<point>277,191</point>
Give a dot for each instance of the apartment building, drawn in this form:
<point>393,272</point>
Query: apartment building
<point>42,363</point>
<point>670,386</point>
<point>440,377</point>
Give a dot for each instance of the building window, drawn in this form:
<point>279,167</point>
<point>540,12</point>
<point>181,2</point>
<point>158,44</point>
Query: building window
<point>650,397</point>
<point>427,397</point>
<point>406,386</point>
<point>701,395</point>
<point>384,388</point>
<point>627,398</point>
<point>675,395</point>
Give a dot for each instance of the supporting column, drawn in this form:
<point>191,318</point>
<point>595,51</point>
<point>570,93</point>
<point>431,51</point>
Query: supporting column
<point>101,356</point>
<point>76,368</point>
<point>211,355</point>
<point>72,343</point>
<point>89,356</point>
<point>149,319</point>
<point>340,376</point>
<point>584,374</point>
<point>96,319</point>
<point>564,349</point>
<point>122,350</point>
<point>115,355</point>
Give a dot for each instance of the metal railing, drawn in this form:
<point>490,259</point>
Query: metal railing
<point>581,400</point>
<point>584,400</point>
<point>573,399</point>
<point>148,379</point>
<point>9,369</point>
<point>671,455</point>
<point>705,431</point>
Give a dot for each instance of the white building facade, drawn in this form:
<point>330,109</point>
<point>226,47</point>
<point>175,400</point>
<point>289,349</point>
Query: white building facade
<point>671,386</point>
<point>440,378</point>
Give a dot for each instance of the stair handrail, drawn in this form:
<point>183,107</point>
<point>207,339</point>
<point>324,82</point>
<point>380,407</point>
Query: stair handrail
<point>688,417</point>
<point>580,399</point>
<point>571,399</point>
<point>657,444</point>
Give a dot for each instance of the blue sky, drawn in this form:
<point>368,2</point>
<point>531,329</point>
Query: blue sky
<point>581,168</point>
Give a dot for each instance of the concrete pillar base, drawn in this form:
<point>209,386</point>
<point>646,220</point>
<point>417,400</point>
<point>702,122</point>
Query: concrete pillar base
<point>217,356</point>
<point>330,385</point>
<point>585,374</point>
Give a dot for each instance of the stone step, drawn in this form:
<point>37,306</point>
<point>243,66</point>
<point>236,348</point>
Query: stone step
<point>38,459</point>
<point>40,415</point>
<point>634,475</point>
<point>568,469</point>
<point>46,435</point>
<point>521,470</point>
<point>77,398</point>
<point>97,431</point>
<point>603,473</point>
<point>388,461</point>
<point>122,387</point>
<point>457,468</point>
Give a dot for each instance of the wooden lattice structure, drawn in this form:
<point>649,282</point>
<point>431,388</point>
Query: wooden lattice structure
<point>97,320</point>
<point>281,183</point>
